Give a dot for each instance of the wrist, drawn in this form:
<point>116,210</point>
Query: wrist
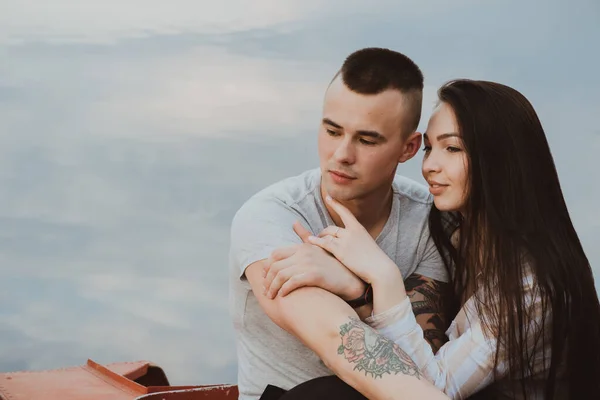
<point>366,298</point>
<point>390,280</point>
<point>384,272</point>
<point>354,289</point>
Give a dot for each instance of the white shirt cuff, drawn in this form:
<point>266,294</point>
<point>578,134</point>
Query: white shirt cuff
<point>395,322</point>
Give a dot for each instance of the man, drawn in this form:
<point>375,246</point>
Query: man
<point>371,112</point>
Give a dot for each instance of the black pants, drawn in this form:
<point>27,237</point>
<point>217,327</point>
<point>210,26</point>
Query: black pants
<point>323,388</point>
<point>329,388</point>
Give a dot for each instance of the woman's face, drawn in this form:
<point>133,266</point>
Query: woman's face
<point>445,164</point>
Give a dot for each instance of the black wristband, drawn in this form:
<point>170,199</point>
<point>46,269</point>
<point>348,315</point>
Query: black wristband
<point>364,299</point>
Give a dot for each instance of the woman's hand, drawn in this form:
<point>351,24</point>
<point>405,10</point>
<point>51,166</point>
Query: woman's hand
<point>354,247</point>
<point>293,267</point>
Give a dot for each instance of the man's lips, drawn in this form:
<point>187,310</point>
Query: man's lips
<point>342,175</point>
<point>341,178</point>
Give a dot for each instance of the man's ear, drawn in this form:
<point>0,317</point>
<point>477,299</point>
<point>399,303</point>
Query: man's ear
<point>411,146</point>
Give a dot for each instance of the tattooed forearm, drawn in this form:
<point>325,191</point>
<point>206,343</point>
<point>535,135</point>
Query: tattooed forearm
<point>373,353</point>
<point>430,292</point>
<point>426,297</point>
<point>435,336</point>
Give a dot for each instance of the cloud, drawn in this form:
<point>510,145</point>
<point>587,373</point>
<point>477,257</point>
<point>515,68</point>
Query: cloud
<point>209,92</point>
<point>87,21</point>
<point>202,91</point>
<point>198,353</point>
<point>104,22</point>
<point>143,277</point>
<point>179,323</point>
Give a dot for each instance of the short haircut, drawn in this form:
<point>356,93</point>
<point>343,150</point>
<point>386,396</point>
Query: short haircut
<point>373,70</point>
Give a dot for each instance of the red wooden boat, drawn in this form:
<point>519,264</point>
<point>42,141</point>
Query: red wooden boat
<point>139,380</point>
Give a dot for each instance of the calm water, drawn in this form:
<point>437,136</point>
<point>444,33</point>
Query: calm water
<point>130,132</point>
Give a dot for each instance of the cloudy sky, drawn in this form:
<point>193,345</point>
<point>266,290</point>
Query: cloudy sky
<point>131,131</point>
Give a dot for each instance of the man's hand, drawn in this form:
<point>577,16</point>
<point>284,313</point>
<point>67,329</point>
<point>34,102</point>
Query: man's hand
<point>353,246</point>
<point>290,268</point>
<point>293,267</point>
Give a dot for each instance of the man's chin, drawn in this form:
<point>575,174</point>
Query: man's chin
<point>340,194</point>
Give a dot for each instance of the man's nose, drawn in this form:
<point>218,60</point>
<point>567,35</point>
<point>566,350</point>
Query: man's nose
<point>345,152</point>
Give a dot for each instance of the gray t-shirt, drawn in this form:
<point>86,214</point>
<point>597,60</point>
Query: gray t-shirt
<point>268,354</point>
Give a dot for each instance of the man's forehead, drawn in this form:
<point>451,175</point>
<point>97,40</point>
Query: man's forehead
<point>367,112</point>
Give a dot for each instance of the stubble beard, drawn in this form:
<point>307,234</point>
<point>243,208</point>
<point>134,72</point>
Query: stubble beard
<point>343,194</point>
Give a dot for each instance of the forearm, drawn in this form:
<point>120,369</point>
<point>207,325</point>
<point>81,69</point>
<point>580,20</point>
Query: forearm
<point>425,295</point>
<point>369,362</point>
<point>388,291</point>
<point>459,368</point>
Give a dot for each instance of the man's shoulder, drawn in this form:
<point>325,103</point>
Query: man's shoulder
<point>414,192</point>
<point>287,193</point>
<point>291,189</point>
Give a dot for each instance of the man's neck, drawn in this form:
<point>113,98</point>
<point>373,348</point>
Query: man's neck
<point>372,211</point>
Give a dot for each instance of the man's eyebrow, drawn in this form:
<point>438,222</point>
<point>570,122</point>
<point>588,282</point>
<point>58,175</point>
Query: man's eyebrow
<point>372,134</point>
<point>330,122</point>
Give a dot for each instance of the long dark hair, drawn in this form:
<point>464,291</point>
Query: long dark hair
<point>516,222</point>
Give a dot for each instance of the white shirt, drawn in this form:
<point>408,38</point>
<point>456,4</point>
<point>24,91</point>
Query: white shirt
<point>465,364</point>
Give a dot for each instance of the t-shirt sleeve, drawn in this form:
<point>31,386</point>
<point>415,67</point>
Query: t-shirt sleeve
<point>431,264</point>
<point>260,226</point>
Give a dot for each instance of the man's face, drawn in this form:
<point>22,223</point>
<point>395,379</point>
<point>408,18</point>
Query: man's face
<point>361,141</point>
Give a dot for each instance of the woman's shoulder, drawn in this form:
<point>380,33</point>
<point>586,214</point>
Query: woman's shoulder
<point>486,297</point>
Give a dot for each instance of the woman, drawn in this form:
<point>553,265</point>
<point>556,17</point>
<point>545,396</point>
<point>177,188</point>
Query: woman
<point>527,319</point>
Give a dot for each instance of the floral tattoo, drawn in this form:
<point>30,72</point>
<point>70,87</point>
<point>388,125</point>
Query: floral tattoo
<point>373,353</point>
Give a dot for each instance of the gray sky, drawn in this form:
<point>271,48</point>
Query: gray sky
<point>132,131</point>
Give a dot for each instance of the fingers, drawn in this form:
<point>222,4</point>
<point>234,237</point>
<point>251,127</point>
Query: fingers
<point>283,276</point>
<point>294,278</point>
<point>327,242</point>
<point>332,230</point>
<point>279,254</point>
<point>301,231</point>
<point>282,253</point>
<point>347,217</point>
<point>296,282</point>
<point>273,271</point>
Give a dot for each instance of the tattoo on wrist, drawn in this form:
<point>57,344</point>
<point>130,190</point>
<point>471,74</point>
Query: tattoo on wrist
<point>373,353</point>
